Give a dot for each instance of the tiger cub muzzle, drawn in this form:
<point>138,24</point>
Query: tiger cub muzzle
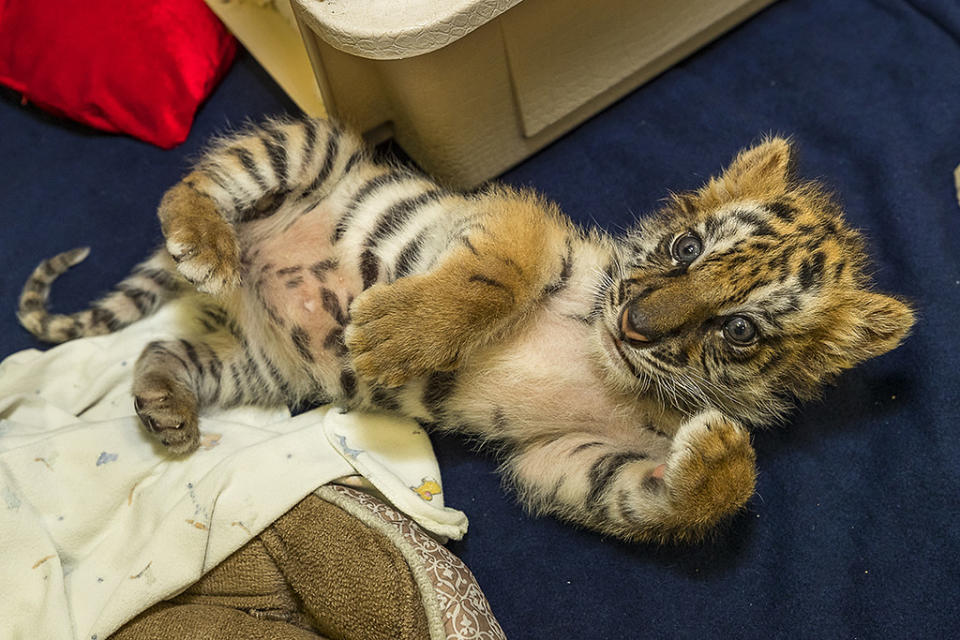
<point>661,310</point>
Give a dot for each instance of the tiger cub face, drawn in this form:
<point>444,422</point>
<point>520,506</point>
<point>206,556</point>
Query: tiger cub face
<point>744,295</point>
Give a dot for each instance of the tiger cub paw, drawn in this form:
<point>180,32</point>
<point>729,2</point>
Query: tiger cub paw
<point>168,413</point>
<point>395,334</point>
<point>199,239</point>
<point>710,473</point>
<point>205,250</point>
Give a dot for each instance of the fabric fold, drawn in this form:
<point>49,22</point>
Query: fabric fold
<point>99,523</point>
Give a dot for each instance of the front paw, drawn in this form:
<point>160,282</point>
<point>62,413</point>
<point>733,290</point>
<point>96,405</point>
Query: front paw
<point>710,473</point>
<point>204,247</point>
<point>395,334</point>
<point>168,412</point>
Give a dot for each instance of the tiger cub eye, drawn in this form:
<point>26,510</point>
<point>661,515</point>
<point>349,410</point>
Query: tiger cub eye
<point>739,330</point>
<point>687,248</point>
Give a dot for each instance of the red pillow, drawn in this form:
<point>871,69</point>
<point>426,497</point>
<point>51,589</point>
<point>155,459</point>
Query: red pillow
<point>140,67</point>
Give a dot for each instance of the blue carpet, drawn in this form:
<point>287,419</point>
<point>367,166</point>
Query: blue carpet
<point>853,532</point>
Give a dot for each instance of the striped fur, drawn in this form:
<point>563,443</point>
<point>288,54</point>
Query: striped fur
<point>151,284</point>
<point>619,375</point>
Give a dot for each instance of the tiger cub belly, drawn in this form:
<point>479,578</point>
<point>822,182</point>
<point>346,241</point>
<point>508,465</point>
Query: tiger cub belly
<point>305,284</point>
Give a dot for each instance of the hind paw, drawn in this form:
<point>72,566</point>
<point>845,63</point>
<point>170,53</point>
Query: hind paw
<point>206,252</point>
<point>200,240</point>
<point>170,416</point>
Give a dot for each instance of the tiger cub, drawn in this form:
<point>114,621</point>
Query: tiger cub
<point>619,375</point>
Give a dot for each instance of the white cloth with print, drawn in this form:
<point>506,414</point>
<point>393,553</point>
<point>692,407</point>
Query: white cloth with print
<point>97,523</point>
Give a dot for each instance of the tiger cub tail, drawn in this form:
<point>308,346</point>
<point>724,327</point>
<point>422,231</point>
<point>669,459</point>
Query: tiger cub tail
<point>150,285</point>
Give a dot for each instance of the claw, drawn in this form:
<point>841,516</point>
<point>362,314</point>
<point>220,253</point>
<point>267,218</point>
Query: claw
<point>170,419</point>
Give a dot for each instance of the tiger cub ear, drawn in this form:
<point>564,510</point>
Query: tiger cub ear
<point>760,171</point>
<point>880,323</point>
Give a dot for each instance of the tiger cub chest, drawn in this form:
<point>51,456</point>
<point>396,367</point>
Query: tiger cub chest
<point>549,378</point>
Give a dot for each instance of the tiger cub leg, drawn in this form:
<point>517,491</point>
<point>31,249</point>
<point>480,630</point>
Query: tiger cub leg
<point>199,239</point>
<point>175,379</point>
<point>509,252</point>
<point>247,176</point>
<point>635,493</point>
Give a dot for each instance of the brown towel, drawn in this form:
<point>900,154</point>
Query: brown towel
<point>317,572</point>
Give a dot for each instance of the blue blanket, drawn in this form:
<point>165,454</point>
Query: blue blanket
<point>855,528</point>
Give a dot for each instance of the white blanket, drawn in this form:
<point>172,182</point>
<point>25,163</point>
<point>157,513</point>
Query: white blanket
<point>97,523</point>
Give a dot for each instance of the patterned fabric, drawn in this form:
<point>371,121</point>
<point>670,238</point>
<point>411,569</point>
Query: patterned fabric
<point>97,525</point>
<point>465,611</point>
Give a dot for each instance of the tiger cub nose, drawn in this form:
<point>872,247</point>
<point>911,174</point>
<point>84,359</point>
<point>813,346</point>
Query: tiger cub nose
<point>633,325</point>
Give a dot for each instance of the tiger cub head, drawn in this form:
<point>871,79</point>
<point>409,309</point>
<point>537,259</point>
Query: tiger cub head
<point>745,295</point>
